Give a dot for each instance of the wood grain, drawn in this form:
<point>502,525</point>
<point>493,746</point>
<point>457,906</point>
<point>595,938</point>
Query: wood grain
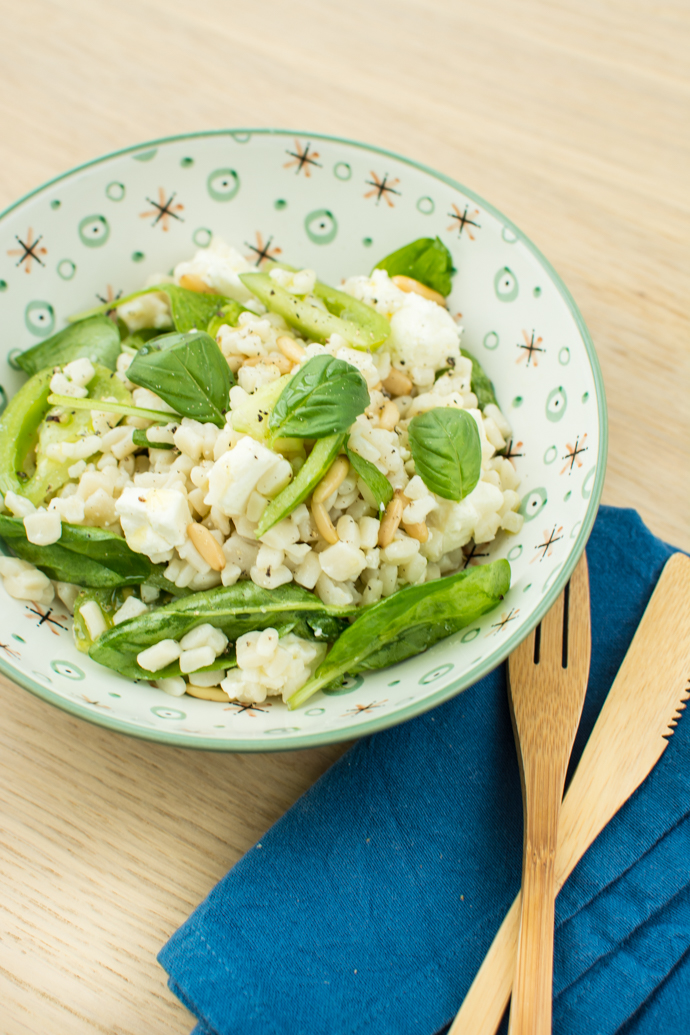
<point>571,117</point>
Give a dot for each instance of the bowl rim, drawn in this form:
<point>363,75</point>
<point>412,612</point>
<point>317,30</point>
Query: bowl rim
<point>477,672</point>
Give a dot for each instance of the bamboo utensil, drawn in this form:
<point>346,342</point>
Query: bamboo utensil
<point>547,682</point>
<point>629,738</point>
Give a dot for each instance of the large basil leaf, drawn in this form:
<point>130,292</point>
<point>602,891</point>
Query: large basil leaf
<point>190,310</point>
<point>85,556</point>
<point>426,260</point>
<point>189,372</point>
<point>325,397</point>
<point>447,452</point>
<point>408,622</point>
<point>377,483</point>
<point>96,339</point>
<point>235,609</point>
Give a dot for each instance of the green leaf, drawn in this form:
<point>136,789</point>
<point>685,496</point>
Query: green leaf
<point>360,324</point>
<point>324,397</point>
<point>190,310</point>
<point>85,556</point>
<point>235,609</point>
<point>481,384</point>
<point>377,483</point>
<point>189,372</point>
<point>408,622</point>
<point>140,337</point>
<point>303,484</point>
<point>96,339</point>
<point>140,438</point>
<point>426,260</point>
<point>70,403</point>
<point>447,452</point>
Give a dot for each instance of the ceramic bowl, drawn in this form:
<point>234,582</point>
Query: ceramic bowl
<point>336,206</point>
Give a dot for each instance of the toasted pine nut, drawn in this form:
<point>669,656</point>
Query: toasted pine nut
<point>207,546</point>
<point>207,693</point>
<point>332,480</point>
<point>389,415</point>
<point>377,387</point>
<point>413,286</point>
<point>397,383</point>
<point>417,531</point>
<point>193,282</point>
<point>391,520</point>
<point>252,361</point>
<point>323,522</point>
<point>282,362</point>
<point>290,348</point>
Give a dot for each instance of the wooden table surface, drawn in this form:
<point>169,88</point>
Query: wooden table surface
<point>572,117</point>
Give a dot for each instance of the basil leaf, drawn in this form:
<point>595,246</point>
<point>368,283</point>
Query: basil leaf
<point>86,556</point>
<point>481,384</point>
<point>426,260</point>
<point>187,371</point>
<point>96,339</point>
<point>408,622</point>
<point>446,448</point>
<point>190,310</point>
<point>324,397</point>
<point>234,609</point>
<point>377,483</point>
<point>140,337</point>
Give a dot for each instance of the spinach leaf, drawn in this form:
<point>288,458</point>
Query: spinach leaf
<point>138,338</point>
<point>324,397</point>
<point>359,323</point>
<point>447,452</point>
<point>89,557</point>
<point>96,339</point>
<point>481,384</point>
<point>189,372</point>
<point>234,609</point>
<point>377,483</point>
<point>305,481</point>
<point>408,622</point>
<point>426,260</point>
<point>190,310</point>
<point>140,438</point>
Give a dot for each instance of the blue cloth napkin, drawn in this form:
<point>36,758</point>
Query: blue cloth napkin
<point>370,905</point>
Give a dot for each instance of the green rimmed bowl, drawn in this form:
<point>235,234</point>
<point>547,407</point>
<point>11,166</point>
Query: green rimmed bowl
<point>336,206</point>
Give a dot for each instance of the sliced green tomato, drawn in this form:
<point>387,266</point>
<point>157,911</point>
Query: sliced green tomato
<point>360,325</point>
<point>305,481</point>
<point>26,433</point>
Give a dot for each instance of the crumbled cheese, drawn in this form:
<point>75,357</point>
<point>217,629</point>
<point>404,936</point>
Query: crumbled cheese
<point>153,520</point>
<point>233,477</point>
<point>268,665</point>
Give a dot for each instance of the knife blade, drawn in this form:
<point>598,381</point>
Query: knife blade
<point>631,734</point>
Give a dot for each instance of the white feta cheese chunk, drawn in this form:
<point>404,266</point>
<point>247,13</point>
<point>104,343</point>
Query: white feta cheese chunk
<point>237,473</point>
<point>153,520</point>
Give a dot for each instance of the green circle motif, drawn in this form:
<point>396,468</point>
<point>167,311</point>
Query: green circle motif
<point>241,136</point>
<point>138,256</point>
<point>506,285</point>
<point>342,171</point>
<point>285,729</point>
<point>426,206</point>
<point>3,285</point>
<point>202,237</point>
<point>436,673</point>
<point>168,713</point>
<point>550,577</point>
<point>537,292</point>
<point>146,156</point>
<point>223,184</point>
<point>491,340</point>
<point>55,203</point>
<point>550,455</point>
<point>349,686</point>
<point>66,269</point>
<point>39,318</point>
<point>470,635</point>
<point>367,242</point>
<point>587,484</point>
<point>564,356</point>
<point>533,504</point>
<point>567,496</point>
<point>517,402</point>
<point>508,235</point>
<point>186,162</point>
<point>279,204</point>
<point>115,191</point>
<point>321,226</point>
<point>94,231</point>
<point>12,358</point>
<point>67,669</point>
<point>585,397</point>
<point>556,404</point>
<point>514,552</point>
<point>315,711</point>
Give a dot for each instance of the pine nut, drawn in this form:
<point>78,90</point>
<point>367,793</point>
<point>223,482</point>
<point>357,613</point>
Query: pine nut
<point>391,520</point>
<point>193,282</point>
<point>207,546</point>
<point>323,522</point>
<point>397,383</point>
<point>332,480</point>
<point>207,693</point>
<point>290,348</point>
<point>252,361</point>
<point>417,531</point>
<point>412,286</point>
<point>276,359</point>
<point>389,415</point>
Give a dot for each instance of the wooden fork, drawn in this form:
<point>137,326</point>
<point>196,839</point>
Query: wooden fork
<point>547,682</point>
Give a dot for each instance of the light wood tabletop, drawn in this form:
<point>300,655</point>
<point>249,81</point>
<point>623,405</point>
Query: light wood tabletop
<point>572,118</point>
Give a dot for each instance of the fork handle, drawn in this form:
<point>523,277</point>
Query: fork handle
<point>530,1012</point>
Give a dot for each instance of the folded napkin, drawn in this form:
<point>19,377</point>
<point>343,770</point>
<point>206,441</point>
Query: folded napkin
<point>370,905</point>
